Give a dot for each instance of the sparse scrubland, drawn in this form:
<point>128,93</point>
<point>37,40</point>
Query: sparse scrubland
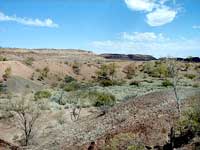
<point>56,99</point>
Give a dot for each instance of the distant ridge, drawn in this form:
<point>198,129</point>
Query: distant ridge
<point>50,50</point>
<point>133,57</point>
<point>189,59</point>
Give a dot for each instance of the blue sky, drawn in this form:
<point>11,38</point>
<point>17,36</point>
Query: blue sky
<point>156,27</point>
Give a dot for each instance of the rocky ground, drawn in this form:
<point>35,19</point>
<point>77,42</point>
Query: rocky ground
<point>149,118</point>
<point>144,111</point>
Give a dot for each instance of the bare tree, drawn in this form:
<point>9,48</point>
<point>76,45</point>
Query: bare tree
<point>26,113</point>
<point>174,75</point>
<point>112,70</point>
<point>76,108</point>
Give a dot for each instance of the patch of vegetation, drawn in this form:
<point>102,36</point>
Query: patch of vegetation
<point>196,85</point>
<point>118,82</point>
<point>187,66</point>
<point>29,61</point>
<point>190,76</point>
<point>104,99</point>
<point>69,79</point>
<point>43,73</point>
<point>106,83</point>
<point>106,73</point>
<point>42,94</point>
<point>136,83</point>
<point>167,83</point>
<point>76,68</point>
<point>190,118</point>
<point>3,58</point>
<point>157,69</point>
<point>130,70</point>
<point>26,113</point>
<point>7,73</point>
<point>2,88</point>
<point>124,141</point>
<point>72,86</point>
<point>136,147</point>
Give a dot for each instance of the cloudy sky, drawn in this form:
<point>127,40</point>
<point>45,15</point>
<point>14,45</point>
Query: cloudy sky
<point>156,27</point>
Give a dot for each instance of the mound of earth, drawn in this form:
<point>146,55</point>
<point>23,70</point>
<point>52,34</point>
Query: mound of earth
<point>17,84</point>
<point>17,69</point>
<point>149,118</point>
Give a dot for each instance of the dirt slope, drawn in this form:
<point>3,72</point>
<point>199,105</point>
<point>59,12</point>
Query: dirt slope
<point>147,117</point>
<point>17,69</point>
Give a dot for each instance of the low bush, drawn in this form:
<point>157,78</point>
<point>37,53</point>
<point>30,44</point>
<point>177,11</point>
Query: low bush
<point>7,73</point>
<point>72,86</point>
<point>130,70</point>
<point>29,61</point>
<point>106,74</point>
<point>136,147</point>
<point>106,82</point>
<point>136,83</point>
<point>104,99</point>
<point>191,116</point>
<point>123,141</point>
<point>196,85</point>
<point>42,94</point>
<point>157,69</point>
<point>167,83</point>
<point>76,68</point>
<point>190,76</point>
<point>43,73</point>
<point>69,79</point>
<point>1,88</point>
<point>3,58</point>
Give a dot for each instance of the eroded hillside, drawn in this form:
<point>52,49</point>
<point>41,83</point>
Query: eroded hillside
<point>73,99</point>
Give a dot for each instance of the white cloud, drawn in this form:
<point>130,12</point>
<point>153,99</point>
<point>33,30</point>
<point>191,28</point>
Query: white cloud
<point>161,16</point>
<point>196,27</point>
<point>160,46</point>
<point>157,11</point>
<point>140,5</point>
<point>141,37</point>
<point>28,21</point>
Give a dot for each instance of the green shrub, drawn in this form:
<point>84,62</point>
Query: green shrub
<point>157,69</point>
<point>123,141</point>
<point>42,94</point>
<point>167,83</point>
<point>155,73</point>
<point>69,79</point>
<point>1,88</point>
<point>196,85</point>
<point>136,83</point>
<point>76,68</point>
<point>106,73</point>
<point>72,86</point>
<point>136,147</point>
<point>191,115</point>
<point>43,73</point>
<point>106,82</point>
<point>190,76</point>
<point>130,70</point>
<point>7,73</point>
<point>148,67</point>
<point>29,61</point>
<point>104,99</point>
<point>118,82</point>
<point>3,58</point>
